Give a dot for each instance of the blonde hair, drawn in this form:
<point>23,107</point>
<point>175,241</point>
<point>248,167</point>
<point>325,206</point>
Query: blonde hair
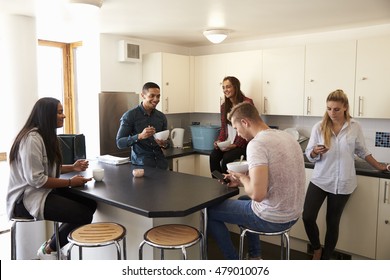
<point>326,125</point>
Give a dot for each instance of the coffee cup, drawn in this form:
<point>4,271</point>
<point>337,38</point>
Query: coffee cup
<point>98,174</point>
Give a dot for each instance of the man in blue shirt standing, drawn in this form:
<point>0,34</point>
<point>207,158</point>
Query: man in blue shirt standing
<point>137,127</point>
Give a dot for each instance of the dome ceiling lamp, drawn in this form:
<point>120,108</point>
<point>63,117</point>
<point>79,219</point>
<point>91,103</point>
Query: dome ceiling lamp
<point>216,36</point>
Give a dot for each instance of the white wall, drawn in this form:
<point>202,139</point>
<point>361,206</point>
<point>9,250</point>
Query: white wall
<point>125,76</point>
<point>18,80</point>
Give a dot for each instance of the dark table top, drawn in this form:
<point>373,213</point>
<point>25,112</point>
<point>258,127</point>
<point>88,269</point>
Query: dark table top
<point>160,193</point>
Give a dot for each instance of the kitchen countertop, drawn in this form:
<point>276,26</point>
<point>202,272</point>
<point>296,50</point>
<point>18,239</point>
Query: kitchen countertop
<point>362,167</point>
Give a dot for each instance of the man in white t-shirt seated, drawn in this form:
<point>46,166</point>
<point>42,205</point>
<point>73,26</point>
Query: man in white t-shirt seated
<point>275,184</point>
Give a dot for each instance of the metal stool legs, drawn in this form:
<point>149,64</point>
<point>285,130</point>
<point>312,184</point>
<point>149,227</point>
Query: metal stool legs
<point>15,221</point>
<point>284,241</point>
<point>172,236</point>
<point>98,235</point>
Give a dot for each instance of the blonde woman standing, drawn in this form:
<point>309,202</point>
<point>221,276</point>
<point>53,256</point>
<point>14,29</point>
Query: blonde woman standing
<point>333,143</point>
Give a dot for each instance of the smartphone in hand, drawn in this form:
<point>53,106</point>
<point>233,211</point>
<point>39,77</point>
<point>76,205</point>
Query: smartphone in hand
<point>219,176</point>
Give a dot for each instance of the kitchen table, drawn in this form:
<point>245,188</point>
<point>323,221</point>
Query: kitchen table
<point>158,194</point>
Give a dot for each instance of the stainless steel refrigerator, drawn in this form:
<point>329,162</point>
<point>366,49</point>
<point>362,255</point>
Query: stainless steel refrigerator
<point>112,105</point>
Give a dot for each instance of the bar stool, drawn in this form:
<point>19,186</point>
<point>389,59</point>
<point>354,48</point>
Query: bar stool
<point>284,239</point>
<point>172,236</point>
<point>16,220</point>
<point>98,235</point>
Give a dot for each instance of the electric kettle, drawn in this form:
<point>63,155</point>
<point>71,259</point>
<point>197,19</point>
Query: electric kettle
<point>177,135</point>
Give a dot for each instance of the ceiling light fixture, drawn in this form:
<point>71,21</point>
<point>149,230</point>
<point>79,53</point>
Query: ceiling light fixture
<point>97,3</point>
<point>216,36</point>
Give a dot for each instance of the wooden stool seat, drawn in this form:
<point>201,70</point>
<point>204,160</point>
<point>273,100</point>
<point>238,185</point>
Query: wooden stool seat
<point>98,235</point>
<point>172,236</point>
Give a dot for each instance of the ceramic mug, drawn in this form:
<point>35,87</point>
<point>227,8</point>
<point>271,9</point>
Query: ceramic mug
<point>98,174</point>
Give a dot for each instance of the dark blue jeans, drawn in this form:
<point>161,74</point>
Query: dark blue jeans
<point>239,212</point>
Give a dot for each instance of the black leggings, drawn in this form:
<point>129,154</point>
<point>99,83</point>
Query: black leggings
<point>335,206</point>
<point>70,209</point>
<point>229,156</point>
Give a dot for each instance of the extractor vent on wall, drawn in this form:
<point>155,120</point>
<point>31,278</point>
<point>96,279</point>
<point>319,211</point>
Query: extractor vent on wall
<point>129,52</point>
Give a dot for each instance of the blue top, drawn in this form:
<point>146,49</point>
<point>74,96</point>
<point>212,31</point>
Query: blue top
<point>146,151</point>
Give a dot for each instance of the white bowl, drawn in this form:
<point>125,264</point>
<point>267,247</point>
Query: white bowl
<point>223,145</point>
<point>238,167</point>
<point>162,135</point>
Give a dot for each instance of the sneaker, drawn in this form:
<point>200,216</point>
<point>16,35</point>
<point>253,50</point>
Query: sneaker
<point>42,255</point>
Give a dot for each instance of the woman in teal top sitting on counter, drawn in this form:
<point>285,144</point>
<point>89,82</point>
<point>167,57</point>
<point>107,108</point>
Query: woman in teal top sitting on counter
<point>333,143</point>
<point>233,95</point>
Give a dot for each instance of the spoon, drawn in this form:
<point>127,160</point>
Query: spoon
<point>241,158</point>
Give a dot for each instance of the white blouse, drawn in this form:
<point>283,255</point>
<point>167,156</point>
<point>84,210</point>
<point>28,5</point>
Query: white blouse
<point>334,171</point>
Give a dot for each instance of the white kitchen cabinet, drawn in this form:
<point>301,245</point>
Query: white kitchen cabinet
<point>358,225</point>
<point>185,164</point>
<point>328,67</point>
<point>383,236</point>
<point>172,73</point>
<point>202,164</point>
<point>372,96</point>
<point>208,75</point>
<point>283,81</point>
<point>210,71</point>
<point>246,66</point>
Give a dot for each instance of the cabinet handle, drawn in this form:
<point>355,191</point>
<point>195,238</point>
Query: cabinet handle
<point>177,165</point>
<point>166,105</point>
<point>308,106</point>
<point>386,222</point>
<point>311,80</point>
<point>364,78</point>
<point>386,195</point>
<point>360,108</point>
<point>265,105</point>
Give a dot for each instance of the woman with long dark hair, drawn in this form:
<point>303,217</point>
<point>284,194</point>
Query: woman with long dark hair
<point>233,95</point>
<point>35,188</point>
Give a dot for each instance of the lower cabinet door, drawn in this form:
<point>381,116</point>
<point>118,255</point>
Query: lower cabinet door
<point>358,225</point>
<point>383,240</point>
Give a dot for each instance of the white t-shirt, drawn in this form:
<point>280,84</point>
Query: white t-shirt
<point>286,178</point>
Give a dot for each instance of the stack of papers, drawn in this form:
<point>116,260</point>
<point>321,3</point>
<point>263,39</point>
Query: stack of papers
<point>113,160</point>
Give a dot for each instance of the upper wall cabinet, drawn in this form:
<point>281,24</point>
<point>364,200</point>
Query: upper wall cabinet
<point>172,73</point>
<point>328,67</point>
<point>210,71</point>
<point>372,96</point>
<point>246,66</point>
<point>283,81</point>
<point>208,74</point>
